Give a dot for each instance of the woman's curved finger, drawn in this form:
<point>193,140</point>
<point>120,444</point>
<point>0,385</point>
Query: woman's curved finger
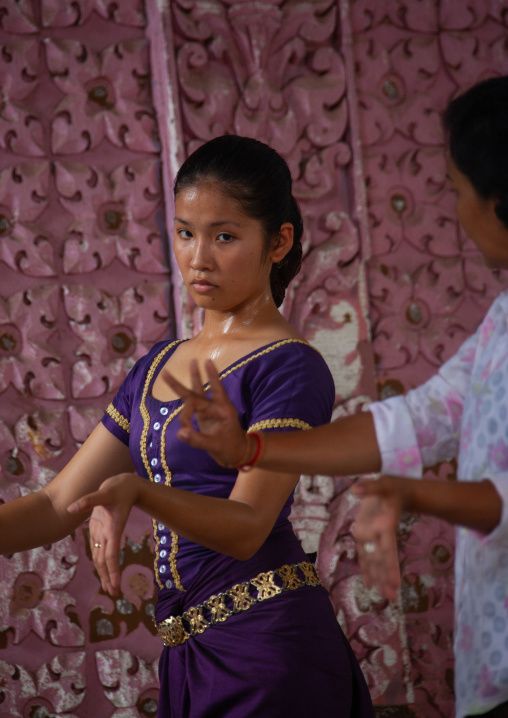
<point>198,440</point>
<point>196,381</point>
<point>105,552</point>
<point>112,566</point>
<point>98,556</point>
<point>217,391</point>
<point>186,414</point>
<point>179,388</point>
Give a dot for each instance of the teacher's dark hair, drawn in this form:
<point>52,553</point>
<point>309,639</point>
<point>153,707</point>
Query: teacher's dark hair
<point>258,178</point>
<point>476,124</point>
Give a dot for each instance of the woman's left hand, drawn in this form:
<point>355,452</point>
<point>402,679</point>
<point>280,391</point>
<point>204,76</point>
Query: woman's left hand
<point>110,506</point>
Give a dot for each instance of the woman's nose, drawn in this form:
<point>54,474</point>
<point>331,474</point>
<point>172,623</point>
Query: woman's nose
<point>202,255</point>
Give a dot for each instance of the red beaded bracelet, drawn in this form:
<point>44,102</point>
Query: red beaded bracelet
<point>248,465</point>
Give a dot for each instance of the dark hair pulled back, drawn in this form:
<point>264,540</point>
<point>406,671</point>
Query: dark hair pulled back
<point>476,123</point>
<point>258,178</point>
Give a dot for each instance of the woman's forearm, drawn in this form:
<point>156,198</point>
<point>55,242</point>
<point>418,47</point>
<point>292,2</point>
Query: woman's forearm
<point>473,504</point>
<point>32,521</point>
<point>344,447</point>
<point>227,526</point>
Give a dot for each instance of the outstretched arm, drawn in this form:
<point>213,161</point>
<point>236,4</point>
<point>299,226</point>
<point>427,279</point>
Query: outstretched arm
<point>473,504</point>
<point>42,517</point>
<point>346,446</point>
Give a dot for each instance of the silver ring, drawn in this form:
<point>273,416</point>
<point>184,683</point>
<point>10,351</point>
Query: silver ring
<point>369,547</point>
<point>97,545</point>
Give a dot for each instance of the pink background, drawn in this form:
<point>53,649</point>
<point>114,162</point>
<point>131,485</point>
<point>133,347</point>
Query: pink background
<point>99,104</point>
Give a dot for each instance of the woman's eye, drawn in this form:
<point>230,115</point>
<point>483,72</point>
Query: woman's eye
<point>184,234</point>
<point>225,237</point>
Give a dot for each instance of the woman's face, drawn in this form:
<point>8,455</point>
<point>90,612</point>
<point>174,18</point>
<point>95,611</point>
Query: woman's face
<point>478,219</point>
<point>220,250</point>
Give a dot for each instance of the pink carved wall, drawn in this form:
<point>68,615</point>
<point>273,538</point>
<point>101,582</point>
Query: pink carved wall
<point>100,103</point>
<point>83,293</point>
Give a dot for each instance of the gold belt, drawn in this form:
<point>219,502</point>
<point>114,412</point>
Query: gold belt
<point>175,630</point>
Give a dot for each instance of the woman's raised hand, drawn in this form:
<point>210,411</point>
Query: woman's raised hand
<point>220,433</point>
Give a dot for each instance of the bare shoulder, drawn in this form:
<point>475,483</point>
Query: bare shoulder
<point>280,329</point>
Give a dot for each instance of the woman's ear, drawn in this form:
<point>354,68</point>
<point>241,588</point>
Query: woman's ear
<point>283,243</point>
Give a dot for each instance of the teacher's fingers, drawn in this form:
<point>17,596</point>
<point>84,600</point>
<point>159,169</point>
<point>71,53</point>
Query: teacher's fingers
<point>368,487</point>
<point>379,562</point>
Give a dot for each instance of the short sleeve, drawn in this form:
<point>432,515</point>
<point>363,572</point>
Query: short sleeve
<point>292,389</point>
<point>118,415</point>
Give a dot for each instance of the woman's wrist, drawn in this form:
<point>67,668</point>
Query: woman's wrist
<point>251,452</point>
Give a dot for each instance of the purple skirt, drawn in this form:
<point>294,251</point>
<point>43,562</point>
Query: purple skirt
<point>285,656</point>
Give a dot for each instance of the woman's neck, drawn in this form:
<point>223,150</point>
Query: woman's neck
<point>256,317</point>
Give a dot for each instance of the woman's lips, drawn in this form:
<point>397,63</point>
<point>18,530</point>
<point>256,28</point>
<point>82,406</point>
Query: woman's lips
<point>203,287</point>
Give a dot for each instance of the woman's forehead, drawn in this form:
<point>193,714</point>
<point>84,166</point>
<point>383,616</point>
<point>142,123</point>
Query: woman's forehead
<point>210,198</point>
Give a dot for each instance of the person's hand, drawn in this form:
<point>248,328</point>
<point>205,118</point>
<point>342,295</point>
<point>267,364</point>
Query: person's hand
<point>220,433</point>
<point>110,506</point>
<point>375,529</point>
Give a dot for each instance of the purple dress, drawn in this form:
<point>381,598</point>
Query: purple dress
<point>283,656</point>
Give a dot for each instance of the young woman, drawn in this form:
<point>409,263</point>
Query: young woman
<point>460,412</point>
<point>247,627</point>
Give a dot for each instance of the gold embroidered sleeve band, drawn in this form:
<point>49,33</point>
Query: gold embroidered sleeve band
<point>279,424</point>
<point>120,420</point>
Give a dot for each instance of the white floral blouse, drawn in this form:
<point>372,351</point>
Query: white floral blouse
<point>463,412</point>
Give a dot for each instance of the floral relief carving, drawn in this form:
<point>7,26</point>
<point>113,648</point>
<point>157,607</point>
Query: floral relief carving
<point>33,585</point>
<point>253,65</point>
<point>114,331</point>
<point>409,316</point>
<point>79,194</point>
<point>110,617</point>
<point>56,688</point>
<point>62,14</point>
<point>113,216</point>
<point>27,360</point>
<point>106,96</point>
<point>411,61</point>
<point>24,245</point>
<point>129,682</point>
<point>82,421</point>
<point>309,514</point>
<point>20,130</point>
<point>18,17</point>
<point>37,439</point>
